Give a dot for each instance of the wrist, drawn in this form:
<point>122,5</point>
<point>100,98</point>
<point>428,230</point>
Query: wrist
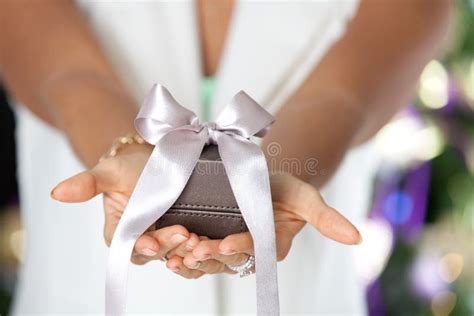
<point>127,144</point>
<point>136,148</point>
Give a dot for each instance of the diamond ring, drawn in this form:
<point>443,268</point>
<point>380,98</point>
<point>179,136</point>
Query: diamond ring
<point>244,268</point>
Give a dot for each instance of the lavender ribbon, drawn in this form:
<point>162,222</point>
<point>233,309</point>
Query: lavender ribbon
<point>179,139</point>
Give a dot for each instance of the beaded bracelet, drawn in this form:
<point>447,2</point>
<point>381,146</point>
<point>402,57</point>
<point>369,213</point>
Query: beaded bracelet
<point>120,142</point>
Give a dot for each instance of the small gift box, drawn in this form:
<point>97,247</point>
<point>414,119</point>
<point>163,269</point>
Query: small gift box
<point>207,206</point>
<point>208,177</point>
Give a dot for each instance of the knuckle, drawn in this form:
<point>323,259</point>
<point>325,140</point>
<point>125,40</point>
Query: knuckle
<point>232,238</point>
<point>188,264</point>
<point>178,229</point>
<point>206,246</point>
<point>180,252</point>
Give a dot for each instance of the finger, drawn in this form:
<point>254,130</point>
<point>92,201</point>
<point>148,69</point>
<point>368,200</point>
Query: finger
<point>202,251</point>
<point>120,199</point>
<point>87,184</point>
<point>114,206</point>
<point>237,243</point>
<point>146,249</point>
<point>284,238</point>
<point>185,247</point>
<point>154,245</point>
<point>209,266</point>
<point>168,238</point>
<point>146,246</point>
<point>235,247</point>
<point>308,203</point>
<point>78,188</point>
<point>334,225</point>
<point>176,265</point>
<point>209,249</point>
<point>328,221</point>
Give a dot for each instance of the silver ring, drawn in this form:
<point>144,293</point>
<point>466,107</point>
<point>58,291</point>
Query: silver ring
<point>244,268</point>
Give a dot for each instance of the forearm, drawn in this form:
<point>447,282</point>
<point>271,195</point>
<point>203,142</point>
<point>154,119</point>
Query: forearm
<point>51,62</point>
<point>363,80</point>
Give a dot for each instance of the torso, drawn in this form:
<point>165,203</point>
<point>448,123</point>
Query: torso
<point>214,17</point>
<point>136,50</point>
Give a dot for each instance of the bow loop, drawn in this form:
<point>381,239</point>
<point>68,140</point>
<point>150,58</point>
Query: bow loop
<point>245,117</point>
<point>160,113</point>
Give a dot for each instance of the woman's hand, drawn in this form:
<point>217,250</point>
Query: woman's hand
<point>295,203</point>
<point>116,178</point>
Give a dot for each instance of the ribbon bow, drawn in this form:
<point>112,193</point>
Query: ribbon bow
<point>179,139</point>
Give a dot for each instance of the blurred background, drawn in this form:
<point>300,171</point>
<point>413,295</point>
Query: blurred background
<point>418,252</point>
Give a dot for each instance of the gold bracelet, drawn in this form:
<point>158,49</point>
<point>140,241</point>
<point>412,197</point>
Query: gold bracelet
<point>120,142</point>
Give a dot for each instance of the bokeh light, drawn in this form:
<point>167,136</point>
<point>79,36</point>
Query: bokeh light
<point>17,244</point>
<point>434,85</point>
<point>398,207</point>
<point>371,256</point>
<point>470,156</point>
<point>430,143</point>
<point>443,303</point>
<point>425,278</point>
<point>450,267</point>
<point>467,83</point>
<point>407,139</point>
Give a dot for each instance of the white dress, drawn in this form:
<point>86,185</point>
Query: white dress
<point>271,47</point>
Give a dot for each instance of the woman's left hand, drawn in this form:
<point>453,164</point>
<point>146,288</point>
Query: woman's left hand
<point>295,203</point>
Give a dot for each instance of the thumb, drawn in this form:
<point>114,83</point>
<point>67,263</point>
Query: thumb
<point>307,202</point>
<point>85,185</point>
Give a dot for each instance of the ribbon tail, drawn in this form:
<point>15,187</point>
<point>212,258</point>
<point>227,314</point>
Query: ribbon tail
<point>247,171</point>
<point>167,172</point>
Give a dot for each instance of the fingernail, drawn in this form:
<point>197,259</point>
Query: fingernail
<point>52,193</point>
<point>228,252</point>
<point>360,240</point>
<point>189,247</point>
<point>148,252</point>
<point>204,257</point>
<point>178,238</point>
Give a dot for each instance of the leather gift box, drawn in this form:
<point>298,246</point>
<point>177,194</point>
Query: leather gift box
<point>206,206</point>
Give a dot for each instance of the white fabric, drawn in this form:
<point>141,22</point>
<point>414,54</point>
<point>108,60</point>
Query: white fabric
<point>270,49</point>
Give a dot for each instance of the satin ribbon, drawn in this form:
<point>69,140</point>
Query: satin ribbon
<point>179,139</point>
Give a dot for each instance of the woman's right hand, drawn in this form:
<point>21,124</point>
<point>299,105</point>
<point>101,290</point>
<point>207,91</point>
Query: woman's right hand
<point>116,178</point>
